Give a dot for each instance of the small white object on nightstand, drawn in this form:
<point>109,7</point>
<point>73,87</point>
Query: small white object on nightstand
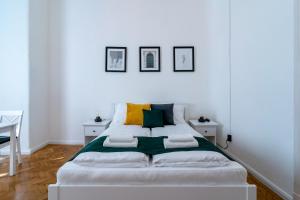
<point>93,129</point>
<point>207,129</point>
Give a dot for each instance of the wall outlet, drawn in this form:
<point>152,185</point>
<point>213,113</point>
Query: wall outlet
<point>229,138</point>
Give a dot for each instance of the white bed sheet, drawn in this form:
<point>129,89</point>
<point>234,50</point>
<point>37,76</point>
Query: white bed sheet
<point>126,129</point>
<point>73,174</point>
<point>178,129</point>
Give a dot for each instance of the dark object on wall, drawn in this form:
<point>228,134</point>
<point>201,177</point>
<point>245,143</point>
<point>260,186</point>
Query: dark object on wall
<point>150,59</point>
<point>115,59</point>
<point>229,138</point>
<point>202,119</point>
<point>98,119</point>
<point>183,59</point>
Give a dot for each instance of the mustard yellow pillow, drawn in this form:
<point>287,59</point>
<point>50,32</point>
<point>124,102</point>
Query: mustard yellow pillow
<point>134,114</point>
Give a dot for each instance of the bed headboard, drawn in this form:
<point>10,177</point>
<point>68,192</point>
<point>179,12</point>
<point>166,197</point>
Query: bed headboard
<point>186,112</point>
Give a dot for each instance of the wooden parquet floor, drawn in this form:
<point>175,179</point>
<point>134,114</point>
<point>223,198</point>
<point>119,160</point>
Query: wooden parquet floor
<point>39,170</point>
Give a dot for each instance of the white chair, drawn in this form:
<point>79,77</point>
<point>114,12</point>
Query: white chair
<point>12,117</point>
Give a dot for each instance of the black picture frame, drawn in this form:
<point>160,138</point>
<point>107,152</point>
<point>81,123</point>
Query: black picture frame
<point>106,58</point>
<point>149,47</point>
<point>193,59</point>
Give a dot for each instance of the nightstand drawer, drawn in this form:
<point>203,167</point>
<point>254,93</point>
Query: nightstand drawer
<point>93,130</point>
<point>207,131</point>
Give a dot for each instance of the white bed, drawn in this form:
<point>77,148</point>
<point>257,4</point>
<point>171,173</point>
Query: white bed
<point>72,173</point>
<point>210,183</point>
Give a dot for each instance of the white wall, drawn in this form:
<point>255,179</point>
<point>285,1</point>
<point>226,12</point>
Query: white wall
<point>297,104</point>
<point>262,89</point>
<point>220,74</point>
<point>262,75</point>
<point>24,67</point>
<point>38,47</point>
<point>14,72</point>
<point>79,32</point>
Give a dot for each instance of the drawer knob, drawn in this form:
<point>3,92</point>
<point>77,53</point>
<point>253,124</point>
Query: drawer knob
<point>205,131</point>
<point>94,131</point>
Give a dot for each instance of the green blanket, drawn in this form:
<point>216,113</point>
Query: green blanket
<point>147,145</point>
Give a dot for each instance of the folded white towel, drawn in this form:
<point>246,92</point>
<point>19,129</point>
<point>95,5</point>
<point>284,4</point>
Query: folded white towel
<point>120,138</point>
<point>108,143</point>
<point>169,145</point>
<point>112,159</point>
<point>181,138</point>
<point>190,159</point>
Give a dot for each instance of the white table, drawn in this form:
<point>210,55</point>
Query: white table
<point>93,129</point>
<point>207,129</point>
<point>11,128</point>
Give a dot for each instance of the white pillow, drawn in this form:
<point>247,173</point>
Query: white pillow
<point>178,114</point>
<point>120,113</point>
<point>190,159</point>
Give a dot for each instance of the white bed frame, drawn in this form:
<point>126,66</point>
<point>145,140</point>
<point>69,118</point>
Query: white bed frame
<point>150,192</point>
<point>93,192</point>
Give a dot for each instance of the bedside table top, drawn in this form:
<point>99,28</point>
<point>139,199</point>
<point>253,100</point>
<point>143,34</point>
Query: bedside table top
<point>196,123</point>
<point>104,122</point>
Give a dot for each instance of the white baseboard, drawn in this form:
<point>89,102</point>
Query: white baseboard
<point>262,178</point>
<point>68,142</point>
<point>38,147</point>
<point>296,196</point>
<point>6,151</point>
<point>26,151</point>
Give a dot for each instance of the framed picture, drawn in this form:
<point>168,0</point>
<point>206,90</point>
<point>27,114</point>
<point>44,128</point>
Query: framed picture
<point>115,59</point>
<point>183,59</point>
<point>149,59</point>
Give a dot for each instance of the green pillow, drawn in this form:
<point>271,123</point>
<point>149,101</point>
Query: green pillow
<point>153,118</point>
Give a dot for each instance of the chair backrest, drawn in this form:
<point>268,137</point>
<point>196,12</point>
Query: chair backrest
<point>12,117</point>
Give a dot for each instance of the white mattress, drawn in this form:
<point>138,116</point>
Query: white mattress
<point>73,174</point>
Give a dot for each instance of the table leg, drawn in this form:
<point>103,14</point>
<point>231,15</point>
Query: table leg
<point>12,163</point>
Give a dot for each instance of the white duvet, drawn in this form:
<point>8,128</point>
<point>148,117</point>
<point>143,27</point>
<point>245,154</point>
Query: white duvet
<point>73,174</point>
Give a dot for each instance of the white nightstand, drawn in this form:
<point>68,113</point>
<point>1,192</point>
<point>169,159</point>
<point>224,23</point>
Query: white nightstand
<point>207,129</point>
<point>92,129</point>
